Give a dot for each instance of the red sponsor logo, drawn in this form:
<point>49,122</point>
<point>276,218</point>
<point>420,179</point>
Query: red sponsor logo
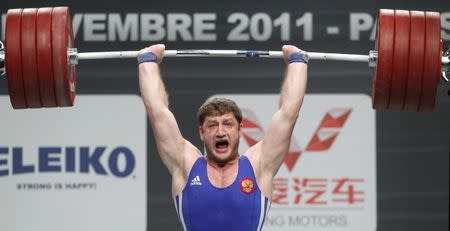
<point>318,192</point>
<point>322,139</point>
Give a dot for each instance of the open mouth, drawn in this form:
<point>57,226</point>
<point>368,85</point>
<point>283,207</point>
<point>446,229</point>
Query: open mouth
<point>222,144</point>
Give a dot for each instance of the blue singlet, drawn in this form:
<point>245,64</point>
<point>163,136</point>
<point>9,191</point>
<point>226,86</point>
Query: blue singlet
<point>240,206</point>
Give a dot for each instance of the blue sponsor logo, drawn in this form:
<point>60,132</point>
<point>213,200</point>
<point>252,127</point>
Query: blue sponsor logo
<point>77,159</point>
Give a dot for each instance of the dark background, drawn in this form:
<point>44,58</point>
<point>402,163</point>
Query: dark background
<point>412,148</point>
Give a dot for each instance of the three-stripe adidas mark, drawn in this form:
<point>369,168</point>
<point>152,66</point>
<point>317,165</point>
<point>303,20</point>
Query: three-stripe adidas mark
<point>196,181</point>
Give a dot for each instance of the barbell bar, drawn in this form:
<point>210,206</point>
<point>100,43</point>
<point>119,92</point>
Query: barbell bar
<point>74,56</point>
<point>40,58</point>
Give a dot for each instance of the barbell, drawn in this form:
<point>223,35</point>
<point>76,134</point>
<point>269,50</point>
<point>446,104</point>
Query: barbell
<point>40,58</point>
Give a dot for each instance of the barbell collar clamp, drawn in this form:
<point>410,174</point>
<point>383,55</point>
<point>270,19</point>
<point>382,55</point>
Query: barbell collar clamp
<point>2,59</point>
<point>373,56</point>
<point>446,66</point>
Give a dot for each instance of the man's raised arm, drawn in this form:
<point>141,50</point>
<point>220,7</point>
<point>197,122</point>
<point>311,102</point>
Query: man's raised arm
<point>169,141</point>
<point>275,144</point>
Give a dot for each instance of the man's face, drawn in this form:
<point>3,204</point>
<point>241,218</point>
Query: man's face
<point>220,134</point>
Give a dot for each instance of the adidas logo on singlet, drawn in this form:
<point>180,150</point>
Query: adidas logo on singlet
<point>196,181</point>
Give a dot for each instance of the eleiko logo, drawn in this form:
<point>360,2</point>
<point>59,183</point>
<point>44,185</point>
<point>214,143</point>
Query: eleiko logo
<point>86,158</point>
<point>322,139</point>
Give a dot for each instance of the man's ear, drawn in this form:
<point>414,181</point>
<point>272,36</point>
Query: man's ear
<point>200,132</point>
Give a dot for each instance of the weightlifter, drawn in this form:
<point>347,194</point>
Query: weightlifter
<point>221,190</point>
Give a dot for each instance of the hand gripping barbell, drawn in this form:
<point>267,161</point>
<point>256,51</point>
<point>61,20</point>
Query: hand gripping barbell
<point>40,58</point>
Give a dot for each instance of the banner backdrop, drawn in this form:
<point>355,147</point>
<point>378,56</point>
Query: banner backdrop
<point>80,168</point>
<point>328,179</point>
<point>412,148</point>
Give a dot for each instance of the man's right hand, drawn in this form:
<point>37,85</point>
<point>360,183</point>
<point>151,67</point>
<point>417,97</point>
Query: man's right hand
<point>288,50</point>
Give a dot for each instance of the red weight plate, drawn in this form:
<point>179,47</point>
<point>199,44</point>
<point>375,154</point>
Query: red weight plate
<point>400,60</point>
<point>44,57</point>
<point>13,59</point>
<point>63,73</point>
<point>29,62</point>
<point>433,61</point>
<point>384,44</point>
<point>416,60</point>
